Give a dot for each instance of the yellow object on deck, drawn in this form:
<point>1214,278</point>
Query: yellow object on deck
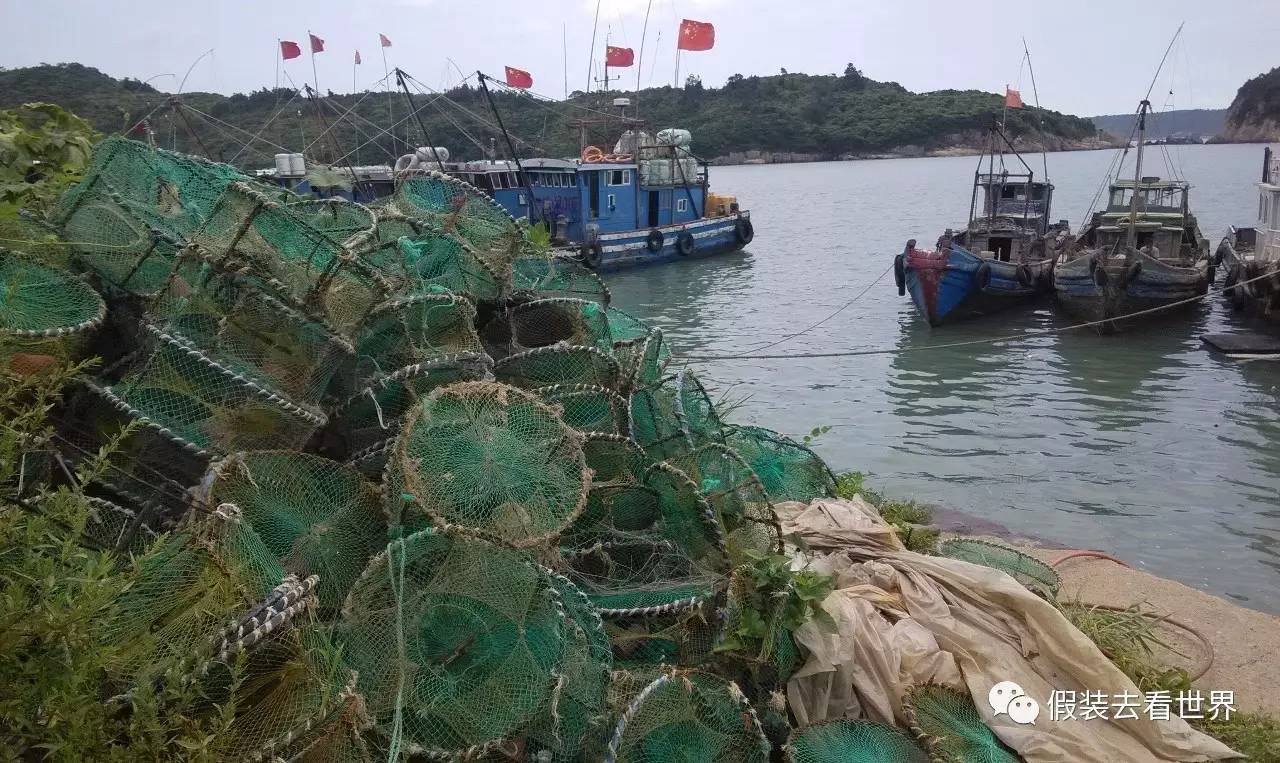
<point>719,205</point>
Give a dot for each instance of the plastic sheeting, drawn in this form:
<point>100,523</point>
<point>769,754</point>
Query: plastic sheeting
<point>903,618</point>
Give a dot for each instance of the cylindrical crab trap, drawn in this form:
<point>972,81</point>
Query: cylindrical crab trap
<point>439,260</point>
<point>947,723</point>
<point>674,417</point>
<point>852,741</point>
<point>1024,568</point>
<point>547,366</point>
<point>490,458</point>
<point>789,471</point>
<point>543,276</point>
<point>315,516</point>
<point>463,647</point>
<point>736,496</point>
<point>414,329</point>
<point>45,315</point>
<point>586,408</point>
<point>549,322</point>
<point>688,715</point>
<point>458,207</point>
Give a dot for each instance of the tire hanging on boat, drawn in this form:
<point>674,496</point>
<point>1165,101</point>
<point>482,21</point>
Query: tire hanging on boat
<point>655,240</point>
<point>744,230</point>
<point>684,243</point>
<point>1025,276</point>
<point>591,254</point>
<point>900,274</point>
<point>982,277</point>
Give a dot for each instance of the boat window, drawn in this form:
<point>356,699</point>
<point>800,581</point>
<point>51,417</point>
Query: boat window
<point>1037,192</point>
<point>682,205</point>
<point>535,178</point>
<point>620,177</point>
<point>573,181</point>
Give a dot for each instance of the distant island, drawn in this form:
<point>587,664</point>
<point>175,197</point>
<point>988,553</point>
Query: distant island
<point>1191,125</point>
<point>778,118</point>
<point>1254,116</point>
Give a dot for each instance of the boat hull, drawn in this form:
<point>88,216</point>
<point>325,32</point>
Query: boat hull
<point>1259,294</point>
<point>958,284</point>
<point>1106,292</point>
<point>710,236</point>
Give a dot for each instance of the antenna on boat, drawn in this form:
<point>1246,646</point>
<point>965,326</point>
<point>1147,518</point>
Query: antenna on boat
<point>1044,158</point>
<point>1131,239</point>
<point>524,178</point>
<point>417,118</point>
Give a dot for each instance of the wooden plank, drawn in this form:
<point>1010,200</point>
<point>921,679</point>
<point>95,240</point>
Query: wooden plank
<point>1250,343</point>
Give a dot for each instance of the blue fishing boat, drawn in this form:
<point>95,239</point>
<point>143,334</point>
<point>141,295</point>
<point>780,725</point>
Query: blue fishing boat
<point>1004,256</point>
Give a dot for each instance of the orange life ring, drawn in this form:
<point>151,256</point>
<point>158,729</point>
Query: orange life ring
<point>592,155</point>
<point>617,158</point>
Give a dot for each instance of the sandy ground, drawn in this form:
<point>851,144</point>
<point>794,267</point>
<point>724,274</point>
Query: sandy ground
<point>1246,643</point>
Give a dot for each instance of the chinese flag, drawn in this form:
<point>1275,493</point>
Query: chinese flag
<point>383,39</point>
<point>1012,98</point>
<point>519,78</point>
<point>357,56</point>
<point>317,44</point>
<point>289,50</point>
<point>696,35</point>
<point>619,56</point>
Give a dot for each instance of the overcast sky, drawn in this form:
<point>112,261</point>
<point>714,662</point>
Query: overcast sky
<point>1090,56</point>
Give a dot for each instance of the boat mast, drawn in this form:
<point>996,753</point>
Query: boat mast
<point>1137,174</point>
<point>520,173</point>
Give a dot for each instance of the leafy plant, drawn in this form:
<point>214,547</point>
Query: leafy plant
<point>772,600</point>
<point>537,239</point>
<point>814,434</point>
<point>1129,639</point>
<point>1254,735</point>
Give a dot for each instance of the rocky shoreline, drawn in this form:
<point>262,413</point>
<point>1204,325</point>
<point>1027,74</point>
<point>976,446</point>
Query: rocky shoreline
<point>951,148</point>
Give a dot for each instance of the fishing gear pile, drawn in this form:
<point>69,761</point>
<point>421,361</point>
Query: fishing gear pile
<point>411,487</point>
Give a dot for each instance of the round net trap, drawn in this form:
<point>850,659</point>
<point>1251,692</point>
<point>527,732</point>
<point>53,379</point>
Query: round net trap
<point>347,223</point>
<point>586,408</point>
<point>788,470</point>
<point>674,417</point>
<point>947,723</point>
<point>688,716</point>
<point>1027,570</point>
<point>853,741</point>
<point>491,458</point>
<point>314,516</point>
<point>461,646</point>
<point>641,361</point>
<point>543,276</point>
<point>736,496</point>
<point>441,260</point>
<point>414,329</point>
<point>548,322</point>
<point>458,207</point>
<point>45,314</point>
<point>548,366</point>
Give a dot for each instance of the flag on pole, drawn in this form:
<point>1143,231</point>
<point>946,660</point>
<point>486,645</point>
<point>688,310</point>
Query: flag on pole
<point>619,56</point>
<point>1012,98</point>
<point>317,44</point>
<point>519,78</point>
<point>357,57</point>
<point>383,39</point>
<point>696,35</point>
<point>289,50</point>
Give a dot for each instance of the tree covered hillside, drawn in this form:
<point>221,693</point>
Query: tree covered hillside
<point>818,116</point>
<point>1255,113</point>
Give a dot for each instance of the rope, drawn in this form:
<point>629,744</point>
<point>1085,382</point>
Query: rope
<point>264,127</point>
<point>991,340</point>
<point>829,317</point>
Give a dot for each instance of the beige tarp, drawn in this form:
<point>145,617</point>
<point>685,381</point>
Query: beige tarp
<point>905,618</point>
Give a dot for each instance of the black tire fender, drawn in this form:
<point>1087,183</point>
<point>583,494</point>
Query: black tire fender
<point>655,241</point>
<point>684,243</point>
<point>900,274</point>
<point>591,254</point>
<point>744,230</point>
<point>982,276</point>
<point>1025,276</point>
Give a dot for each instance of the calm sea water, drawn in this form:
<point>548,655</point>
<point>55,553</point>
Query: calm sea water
<point>1144,445</point>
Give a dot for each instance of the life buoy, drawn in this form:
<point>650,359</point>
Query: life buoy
<point>655,240</point>
<point>616,158</point>
<point>900,274</point>
<point>591,254</point>
<point>684,243</point>
<point>744,231</point>
<point>982,276</point>
<point>592,155</point>
<point>1025,276</point>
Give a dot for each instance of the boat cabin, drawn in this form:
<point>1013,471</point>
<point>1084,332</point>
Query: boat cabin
<point>1163,225</point>
<point>1267,234</point>
<point>1009,212</point>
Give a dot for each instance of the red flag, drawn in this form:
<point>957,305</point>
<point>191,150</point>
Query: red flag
<point>696,35</point>
<point>1012,98</point>
<point>383,39</point>
<point>289,50</point>
<point>519,78</point>
<point>357,56</point>
<point>317,44</point>
<point>619,56</point>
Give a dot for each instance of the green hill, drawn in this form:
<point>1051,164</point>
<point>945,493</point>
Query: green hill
<point>1205,123</point>
<point>1254,115</point>
<point>779,117</point>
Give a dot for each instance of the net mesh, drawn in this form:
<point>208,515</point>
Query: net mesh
<point>1027,570</point>
<point>947,723</point>
<point>737,497</point>
<point>548,322</point>
<point>587,408</point>
<point>411,330</point>
<point>461,646</point>
<point>45,314</point>
<point>688,716</point>
<point>674,417</point>
<point>314,516</point>
<point>488,457</point>
<point>548,366</point>
<point>540,277</point>
<point>788,470</point>
<point>457,207</point>
<point>438,259</point>
<point>853,741</point>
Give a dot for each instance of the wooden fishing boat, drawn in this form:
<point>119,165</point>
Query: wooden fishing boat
<point>1004,256</point>
<point>1142,253</point>
<point>1250,257</point>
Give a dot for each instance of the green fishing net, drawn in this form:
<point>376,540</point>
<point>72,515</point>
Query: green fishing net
<point>614,459</point>
<point>641,361</point>
<point>736,496</point>
<point>417,328</point>
<point>542,276</point>
<point>853,741</point>
<point>488,457</point>
<point>315,516</point>
<point>688,716</point>
<point>373,415</point>
<point>547,322</point>
<point>110,526</point>
<point>457,207</point>
<point>947,723</point>
<point>439,259</point>
<point>626,327</point>
<point>1027,570</point>
<point>587,408</point>
<point>462,647</point>
<point>346,223</point>
<point>674,417</point>
<point>547,366</point>
<point>638,575</point>
<point>45,314</point>
<point>789,471</point>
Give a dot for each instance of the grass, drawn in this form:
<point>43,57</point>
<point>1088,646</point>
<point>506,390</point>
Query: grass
<point>1129,639</point>
<point>909,519</point>
<point>1252,734</point>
